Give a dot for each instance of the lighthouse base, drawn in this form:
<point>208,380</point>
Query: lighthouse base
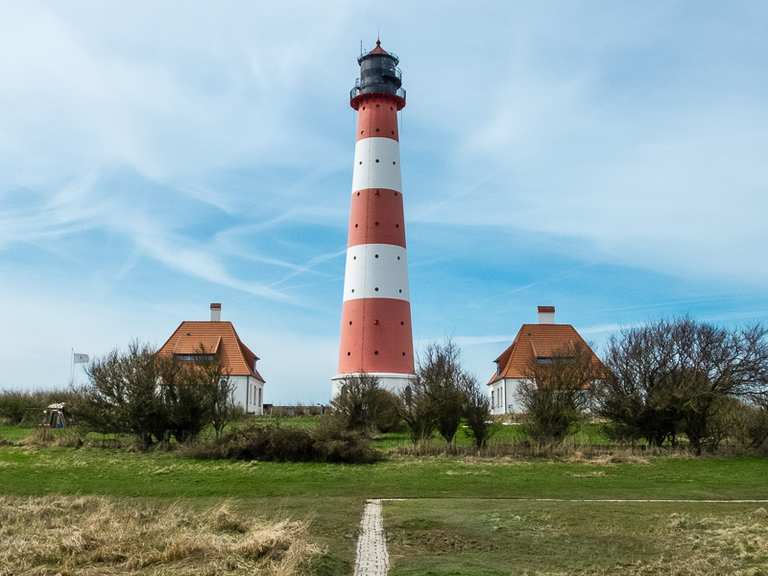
<point>391,381</point>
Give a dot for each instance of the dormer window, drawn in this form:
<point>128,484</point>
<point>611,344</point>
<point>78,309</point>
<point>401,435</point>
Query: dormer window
<point>197,358</point>
<point>544,360</point>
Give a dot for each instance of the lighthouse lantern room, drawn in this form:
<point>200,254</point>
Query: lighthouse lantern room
<point>376,335</point>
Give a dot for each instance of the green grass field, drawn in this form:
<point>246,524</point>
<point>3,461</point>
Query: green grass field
<point>14,433</point>
<point>472,517</point>
<point>494,538</point>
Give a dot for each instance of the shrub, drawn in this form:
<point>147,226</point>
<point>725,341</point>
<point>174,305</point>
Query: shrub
<point>477,413</point>
<point>155,397</point>
<point>554,395</point>
<point>330,442</point>
<point>444,383</point>
<point>417,412</point>
<point>750,427</point>
<point>334,443</point>
<point>123,397</point>
<point>26,407</point>
<point>363,406</point>
<point>355,405</point>
<point>386,416</point>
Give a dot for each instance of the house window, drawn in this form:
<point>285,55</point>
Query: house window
<point>201,358</point>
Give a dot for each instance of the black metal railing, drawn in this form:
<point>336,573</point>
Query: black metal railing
<point>358,90</point>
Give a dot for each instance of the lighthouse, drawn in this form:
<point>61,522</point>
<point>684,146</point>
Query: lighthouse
<point>376,334</point>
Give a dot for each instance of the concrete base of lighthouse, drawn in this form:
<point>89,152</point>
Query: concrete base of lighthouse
<point>387,380</point>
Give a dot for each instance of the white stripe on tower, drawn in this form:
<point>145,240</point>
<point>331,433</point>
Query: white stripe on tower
<point>376,271</point>
<point>377,164</point>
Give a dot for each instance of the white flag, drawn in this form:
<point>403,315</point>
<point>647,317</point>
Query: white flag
<point>81,358</point>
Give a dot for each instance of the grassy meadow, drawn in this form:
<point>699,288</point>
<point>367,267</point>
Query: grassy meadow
<point>488,537</point>
<point>460,515</point>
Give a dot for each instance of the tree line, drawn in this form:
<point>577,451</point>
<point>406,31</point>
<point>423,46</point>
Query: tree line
<point>660,383</point>
<point>670,382</point>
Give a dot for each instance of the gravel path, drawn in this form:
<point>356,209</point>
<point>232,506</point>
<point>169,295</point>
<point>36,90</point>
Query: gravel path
<point>372,558</point>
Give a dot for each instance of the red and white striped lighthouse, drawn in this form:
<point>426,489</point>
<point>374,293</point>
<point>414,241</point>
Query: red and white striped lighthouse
<point>376,335</point>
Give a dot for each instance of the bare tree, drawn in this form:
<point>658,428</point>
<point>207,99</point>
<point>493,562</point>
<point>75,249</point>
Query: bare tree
<point>554,393</point>
<point>477,412</point>
<point>155,397</point>
<point>417,412</point>
<point>355,404</point>
<point>122,395</point>
<point>215,380</point>
<point>639,397</point>
<point>185,394</point>
<point>714,364</point>
<point>674,376</point>
<point>444,382</point>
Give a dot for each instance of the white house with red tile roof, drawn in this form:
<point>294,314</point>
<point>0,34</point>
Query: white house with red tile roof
<point>533,343</point>
<point>194,339</point>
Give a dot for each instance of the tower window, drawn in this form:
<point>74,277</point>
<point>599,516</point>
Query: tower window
<point>362,131</point>
<point>398,257</point>
<point>377,161</point>
<point>393,162</point>
<point>377,129</point>
<point>350,322</point>
<point>360,162</point>
<point>376,255</point>
<point>377,289</point>
<point>400,291</point>
<point>376,223</point>
<point>402,322</point>
<point>376,352</point>
<point>355,225</point>
<point>349,353</point>
<point>397,225</point>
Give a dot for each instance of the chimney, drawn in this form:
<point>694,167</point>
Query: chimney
<point>215,312</point>
<point>546,314</point>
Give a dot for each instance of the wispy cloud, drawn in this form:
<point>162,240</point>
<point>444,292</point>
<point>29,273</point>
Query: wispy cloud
<point>608,159</point>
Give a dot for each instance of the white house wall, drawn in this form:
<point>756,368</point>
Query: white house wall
<point>248,394</point>
<point>504,397</point>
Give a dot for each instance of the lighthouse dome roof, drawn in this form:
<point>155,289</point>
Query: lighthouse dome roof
<point>379,51</point>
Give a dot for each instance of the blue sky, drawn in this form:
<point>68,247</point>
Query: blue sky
<point>607,158</point>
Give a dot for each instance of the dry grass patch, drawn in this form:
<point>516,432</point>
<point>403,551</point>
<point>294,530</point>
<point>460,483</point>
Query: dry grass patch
<point>89,535</point>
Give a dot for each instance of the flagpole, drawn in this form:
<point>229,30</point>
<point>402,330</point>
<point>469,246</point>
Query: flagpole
<point>72,370</point>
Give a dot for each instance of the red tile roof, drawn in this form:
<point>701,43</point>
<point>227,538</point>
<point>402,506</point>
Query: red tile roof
<point>536,341</point>
<point>216,338</point>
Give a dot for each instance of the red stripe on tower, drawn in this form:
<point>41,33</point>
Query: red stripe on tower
<point>376,334</point>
